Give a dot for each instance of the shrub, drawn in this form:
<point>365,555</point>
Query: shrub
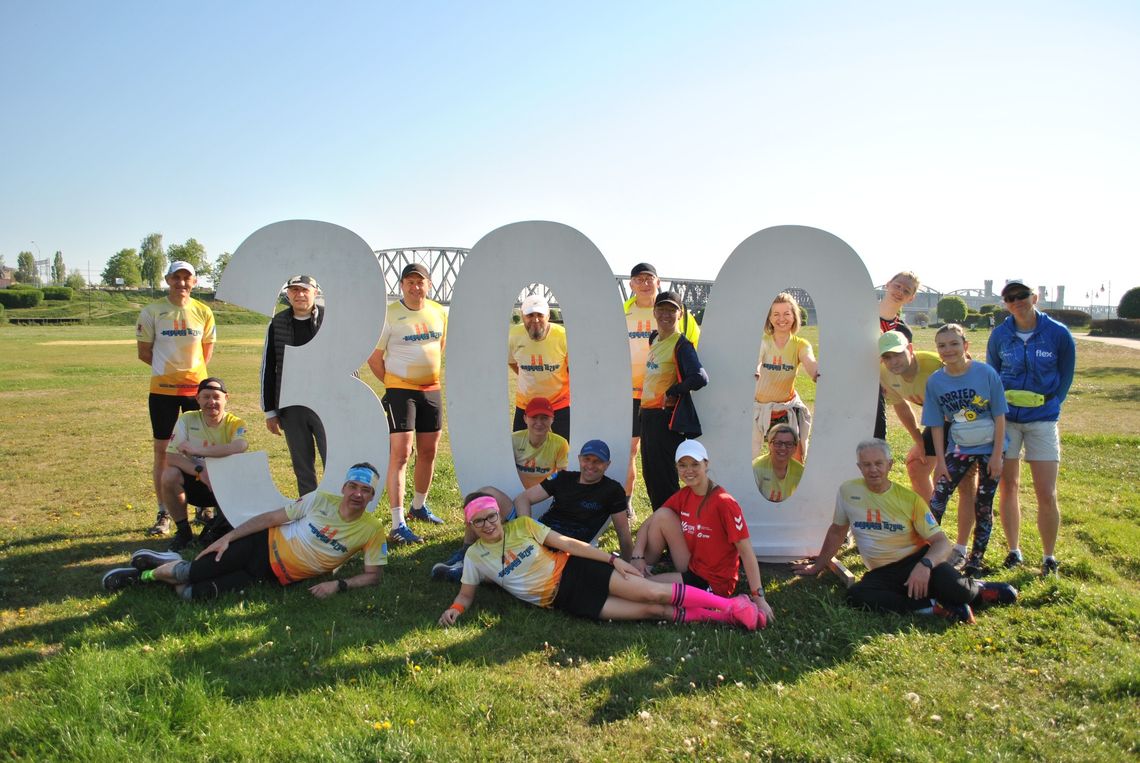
<point>1129,306</point>
<point>2,319</point>
<point>1070,318</point>
<point>987,309</point>
<point>952,309</point>
<point>20,286</point>
<point>65,293</point>
<point>1128,328</point>
<point>16,298</point>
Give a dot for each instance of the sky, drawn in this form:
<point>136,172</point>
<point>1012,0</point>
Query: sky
<point>965,141</point>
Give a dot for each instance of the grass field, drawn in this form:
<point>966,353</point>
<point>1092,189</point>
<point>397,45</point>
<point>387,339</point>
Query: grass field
<point>277,675</point>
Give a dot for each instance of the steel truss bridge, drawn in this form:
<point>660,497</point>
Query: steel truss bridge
<point>444,263</point>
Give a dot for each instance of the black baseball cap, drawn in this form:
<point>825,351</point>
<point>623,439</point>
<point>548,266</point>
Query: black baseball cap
<point>642,267</point>
<point>213,382</point>
<point>415,268</point>
<point>670,297</point>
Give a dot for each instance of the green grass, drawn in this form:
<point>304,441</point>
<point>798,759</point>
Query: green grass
<point>276,675</point>
<point>97,307</point>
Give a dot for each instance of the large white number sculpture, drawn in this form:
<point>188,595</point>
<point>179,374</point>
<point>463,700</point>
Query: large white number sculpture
<point>318,375</point>
<point>478,412</point>
<point>837,280</point>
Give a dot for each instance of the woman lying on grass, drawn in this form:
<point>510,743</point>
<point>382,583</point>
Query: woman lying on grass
<point>537,565</point>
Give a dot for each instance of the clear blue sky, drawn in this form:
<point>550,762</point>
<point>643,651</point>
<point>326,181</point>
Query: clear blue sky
<point>965,140</point>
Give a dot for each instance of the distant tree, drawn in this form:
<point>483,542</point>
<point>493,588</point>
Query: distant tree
<point>75,280</point>
<point>192,252</point>
<point>987,309</point>
<point>58,270</point>
<point>1129,306</point>
<point>152,260</point>
<point>26,267</point>
<point>921,319</point>
<point>2,263</point>
<point>219,267</point>
<point>124,264</point>
<point>952,309</point>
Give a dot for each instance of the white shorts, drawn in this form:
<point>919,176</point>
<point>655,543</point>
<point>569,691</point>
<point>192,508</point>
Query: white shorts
<point>1041,439</point>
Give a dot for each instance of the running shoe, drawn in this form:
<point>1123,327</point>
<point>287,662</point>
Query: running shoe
<point>424,514</point>
<point>1049,567</point>
<point>957,558</point>
<point>1012,559</point>
<point>447,572</point>
<point>744,612</point>
<point>401,535</point>
<point>955,613</point>
<point>145,559</point>
<point>163,524</point>
<point>181,541</point>
<point>203,515</point>
<point>120,578</point>
<point>998,593</point>
<point>457,556</point>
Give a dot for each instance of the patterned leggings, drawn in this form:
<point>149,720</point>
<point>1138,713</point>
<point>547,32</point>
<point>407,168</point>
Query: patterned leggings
<point>958,464</point>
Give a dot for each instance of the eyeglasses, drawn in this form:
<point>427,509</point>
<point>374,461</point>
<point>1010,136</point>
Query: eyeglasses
<point>642,279</point>
<point>1019,296</point>
<point>782,444</point>
<point>481,521</point>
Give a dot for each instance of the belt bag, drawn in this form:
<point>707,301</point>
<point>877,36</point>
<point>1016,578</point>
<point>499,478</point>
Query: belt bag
<point>1023,398</point>
<point>970,434</point>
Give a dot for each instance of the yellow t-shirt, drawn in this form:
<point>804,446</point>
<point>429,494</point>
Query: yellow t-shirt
<point>519,563</point>
<point>412,343</point>
<point>660,371</point>
<point>536,464</point>
<point>888,526</point>
<point>318,540</point>
<point>772,487</point>
<point>640,324</point>
<point>542,366</point>
<point>777,368</point>
<point>899,389</point>
<point>177,335</point>
<point>192,428</point>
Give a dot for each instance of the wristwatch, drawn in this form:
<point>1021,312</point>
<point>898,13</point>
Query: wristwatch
<point>926,563</point>
<point>198,469</point>
<point>341,585</point>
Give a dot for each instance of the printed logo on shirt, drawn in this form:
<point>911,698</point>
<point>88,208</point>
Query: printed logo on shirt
<point>516,560</point>
<point>421,332</point>
<point>537,364</point>
<point>777,364</point>
<point>327,536</point>
<point>875,522</point>
<point>644,329</point>
<point>180,328</point>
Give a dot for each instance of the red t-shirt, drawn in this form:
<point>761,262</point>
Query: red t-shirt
<point>711,538</point>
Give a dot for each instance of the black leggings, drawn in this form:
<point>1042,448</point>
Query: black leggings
<point>245,562</point>
<point>884,588</point>
<point>659,455</point>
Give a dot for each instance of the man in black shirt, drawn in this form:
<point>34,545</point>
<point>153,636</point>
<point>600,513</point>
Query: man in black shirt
<point>304,433</point>
<point>583,500</point>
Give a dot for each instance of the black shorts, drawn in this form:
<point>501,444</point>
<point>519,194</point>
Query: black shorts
<point>164,411</point>
<point>690,578</point>
<point>197,494</point>
<point>584,587</point>
<point>413,409</point>
<point>928,439</point>
<point>637,417</point>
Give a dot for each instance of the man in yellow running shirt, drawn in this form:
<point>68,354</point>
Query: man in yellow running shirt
<point>536,352</point>
<point>408,359</point>
<point>175,337</point>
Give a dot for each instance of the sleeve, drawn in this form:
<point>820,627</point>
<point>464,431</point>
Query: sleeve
<point>470,574</point>
<point>1066,363</point>
<point>993,350</point>
<point>144,329</point>
<point>385,333</point>
<point>239,428</point>
<point>209,329</point>
<point>535,529</point>
<point>376,549</point>
<point>269,372</point>
<point>922,518</point>
<point>839,517</point>
<point>178,436</point>
<point>931,412</point>
<point>299,507</point>
<point>553,485</point>
<point>615,499</point>
<point>735,528</point>
<point>890,394</point>
<point>693,375</point>
<point>562,460</point>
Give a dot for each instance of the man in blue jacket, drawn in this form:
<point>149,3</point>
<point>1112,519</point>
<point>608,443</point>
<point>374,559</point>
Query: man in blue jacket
<point>1035,357</point>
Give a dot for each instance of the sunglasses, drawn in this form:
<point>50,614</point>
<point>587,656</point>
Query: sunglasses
<point>1018,297</point>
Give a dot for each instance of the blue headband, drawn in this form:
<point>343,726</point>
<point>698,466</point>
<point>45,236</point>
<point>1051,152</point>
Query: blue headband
<point>363,475</point>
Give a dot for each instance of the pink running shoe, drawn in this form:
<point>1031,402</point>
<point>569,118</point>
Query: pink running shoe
<point>744,612</point>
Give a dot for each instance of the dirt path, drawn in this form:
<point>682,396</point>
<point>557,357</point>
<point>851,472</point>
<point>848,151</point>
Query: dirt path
<point>1133,344</point>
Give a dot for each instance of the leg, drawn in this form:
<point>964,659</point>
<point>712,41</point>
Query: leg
<point>295,420</point>
<point>983,513</point>
<point>623,609</point>
<point>920,474</point>
<point>173,492</point>
<point>400,450</point>
<point>427,443</point>
<point>561,423</point>
<point>1048,511</point>
<point>663,530</point>
<point>881,417</point>
<point>1008,502</point>
<point>948,586</point>
<point>883,589</point>
<point>967,488</point>
<point>957,466</point>
<point>159,467</point>
<point>631,473</point>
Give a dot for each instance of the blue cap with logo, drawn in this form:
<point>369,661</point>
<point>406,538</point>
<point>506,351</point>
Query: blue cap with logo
<point>596,448</point>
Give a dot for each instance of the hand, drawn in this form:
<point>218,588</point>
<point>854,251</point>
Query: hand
<point>941,472</point>
<point>995,466</point>
<point>640,566</point>
<point>917,452</point>
<point>763,605</point>
<point>448,618</point>
<point>807,567</point>
<point>625,569</point>
<point>918,582</point>
<point>204,476</point>
<point>273,424</point>
<point>218,547</point>
<point>324,590</point>
<point>187,449</point>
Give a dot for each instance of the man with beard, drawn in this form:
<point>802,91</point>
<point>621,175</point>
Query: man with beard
<point>536,351</point>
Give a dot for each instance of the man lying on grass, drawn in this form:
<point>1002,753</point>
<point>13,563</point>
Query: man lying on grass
<point>308,538</point>
<point>541,567</point>
<point>904,549</point>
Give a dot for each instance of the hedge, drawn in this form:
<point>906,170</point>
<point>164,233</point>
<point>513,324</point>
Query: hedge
<point>1,313</point>
<point>1128,328</point>
<point>13,298</point>
<point>1070,318</point>
<point>21,286</point>
<point>65,293</point>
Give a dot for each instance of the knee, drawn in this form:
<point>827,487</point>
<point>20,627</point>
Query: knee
<point>857,597</point>
<point>427,450</point>
<point>171,477</point>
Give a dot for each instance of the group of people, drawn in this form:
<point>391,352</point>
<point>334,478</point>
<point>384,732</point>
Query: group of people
<point>976,416</point>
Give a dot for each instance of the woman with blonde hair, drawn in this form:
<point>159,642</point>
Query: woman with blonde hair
<point>782,353</point>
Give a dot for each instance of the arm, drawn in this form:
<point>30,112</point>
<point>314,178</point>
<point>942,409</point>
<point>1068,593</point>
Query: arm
<point>906,418</point>
<point>832,541</point>
<point>940,470</point>
<point>752,572</point>
<point>625,537</point>
<point>146,352</point>
<point>1066,365</point>
<point>207,352</point>
<point>808,361</point>
<point>996,456</point>
<point>524,500</point>
<point>250,526</point>
<point>689,368</point>
<point>462,601</point>
<point>370,576</point>
<point>918,583</point>
<point>376,363</point>
<point>577,548</point>
<point>214,451</point>
<point>269,380</point>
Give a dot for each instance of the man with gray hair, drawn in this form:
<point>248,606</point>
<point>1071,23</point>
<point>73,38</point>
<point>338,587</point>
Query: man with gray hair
<point>902,546</point>
<point>536,351</point>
